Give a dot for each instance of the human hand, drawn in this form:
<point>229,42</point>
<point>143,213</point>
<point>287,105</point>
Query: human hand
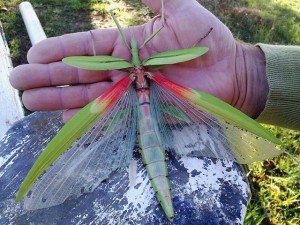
<point>231,71</point>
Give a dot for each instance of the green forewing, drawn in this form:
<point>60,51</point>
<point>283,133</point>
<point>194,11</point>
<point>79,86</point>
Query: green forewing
<point>175,56</point>
<point>232,115</point>
<point>101,62</point>
<point>70,132</point>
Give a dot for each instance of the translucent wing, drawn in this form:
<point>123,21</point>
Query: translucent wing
<point>106,146</point>
<point>188,129</point>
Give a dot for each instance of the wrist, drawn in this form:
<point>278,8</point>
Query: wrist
<point>253,87</point>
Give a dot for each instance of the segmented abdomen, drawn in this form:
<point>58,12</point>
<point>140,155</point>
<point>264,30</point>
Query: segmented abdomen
<point>153,155</point>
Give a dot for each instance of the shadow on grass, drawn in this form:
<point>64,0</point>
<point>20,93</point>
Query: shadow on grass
<point>57,18</point>
<point>15,32</point>
<point>60,17</point>
<point>137,12</point>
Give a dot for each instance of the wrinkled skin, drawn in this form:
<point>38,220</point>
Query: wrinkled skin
<point>231,71</point>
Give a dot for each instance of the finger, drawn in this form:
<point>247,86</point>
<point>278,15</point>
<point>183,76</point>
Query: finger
<point>154,5</point>
<point>55,98</point>
<point>31,76</point>
<point>56,48</point>
<point>170,6</point>
<point>182,18</point>
<point>68,114</point>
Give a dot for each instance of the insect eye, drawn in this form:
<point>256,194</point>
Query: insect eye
<point>148,75</point>
<point>133,78</point>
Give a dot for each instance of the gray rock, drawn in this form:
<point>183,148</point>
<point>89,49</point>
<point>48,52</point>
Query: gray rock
<point>205,190</point>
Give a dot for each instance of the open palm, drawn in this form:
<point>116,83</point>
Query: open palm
<point>219,72</point>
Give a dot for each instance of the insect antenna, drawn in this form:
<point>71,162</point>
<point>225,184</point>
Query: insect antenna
<point>162,19</point>
<point>119,28</point>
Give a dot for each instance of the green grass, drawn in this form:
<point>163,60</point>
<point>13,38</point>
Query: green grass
<point>275,183</point>
<point>280,23</point>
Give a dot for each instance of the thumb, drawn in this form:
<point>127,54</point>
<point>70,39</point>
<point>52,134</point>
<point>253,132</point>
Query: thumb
<point>154,5</point>
<point>169,5</point>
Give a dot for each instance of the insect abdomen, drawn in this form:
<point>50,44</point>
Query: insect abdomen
<point>154,157</point>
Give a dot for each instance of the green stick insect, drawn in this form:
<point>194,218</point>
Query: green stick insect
<point>100,138</point>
